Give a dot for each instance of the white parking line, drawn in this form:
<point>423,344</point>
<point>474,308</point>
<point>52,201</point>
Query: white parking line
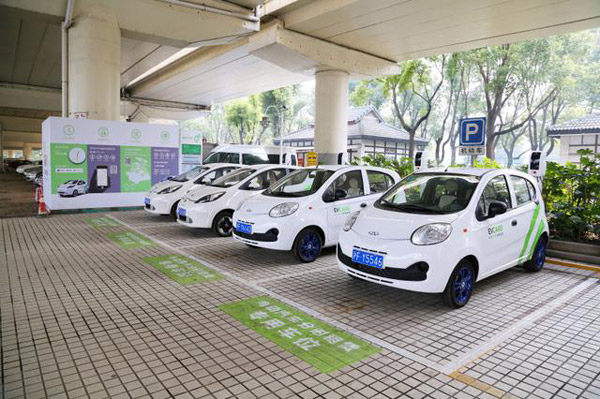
<point>447,369</point>
<point>525,322</point>
<point>284,276</point>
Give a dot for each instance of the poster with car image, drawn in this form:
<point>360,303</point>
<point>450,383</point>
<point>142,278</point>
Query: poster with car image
<point>69,169</point>
<point>105,164</point>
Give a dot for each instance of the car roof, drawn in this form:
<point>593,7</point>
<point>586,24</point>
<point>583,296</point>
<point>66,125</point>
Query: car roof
<point>220,164</point>
<point>478,172</point>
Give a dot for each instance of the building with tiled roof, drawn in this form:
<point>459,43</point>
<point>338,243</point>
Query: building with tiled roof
<point>577,134</point>
<point>368,134</point>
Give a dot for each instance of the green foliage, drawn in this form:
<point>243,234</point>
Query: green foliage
<point>572,198</point>
<point>486,164</point>
<point>243,116</point>
<point>403,167</point>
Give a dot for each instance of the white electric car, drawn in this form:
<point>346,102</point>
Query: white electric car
<point>163,197</point>
<point>443,231</point>
<point>306,211</point>
<point>73,188</point>
<point>212,206</point>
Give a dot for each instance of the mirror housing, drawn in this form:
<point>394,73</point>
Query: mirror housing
<point>496,208</point>
<point>340,194</point>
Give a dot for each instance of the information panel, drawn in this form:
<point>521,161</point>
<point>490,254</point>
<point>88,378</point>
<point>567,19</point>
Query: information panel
<point>103,164</point>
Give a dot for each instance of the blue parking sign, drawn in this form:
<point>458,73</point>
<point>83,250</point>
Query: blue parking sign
<point>472,131</point>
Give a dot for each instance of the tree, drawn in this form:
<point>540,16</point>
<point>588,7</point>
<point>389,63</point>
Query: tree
<point>413,93</point>
<point>244,116</point>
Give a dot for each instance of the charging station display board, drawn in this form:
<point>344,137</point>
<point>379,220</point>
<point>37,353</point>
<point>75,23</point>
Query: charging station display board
<point>103,164</point>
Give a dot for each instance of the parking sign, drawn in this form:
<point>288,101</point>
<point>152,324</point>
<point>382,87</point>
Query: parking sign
<point>472,131</point>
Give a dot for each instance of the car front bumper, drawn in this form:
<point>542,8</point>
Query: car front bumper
<point>405,266</point>
<point>159,204</point>
<point>198,217</point>
<point>267,232</point>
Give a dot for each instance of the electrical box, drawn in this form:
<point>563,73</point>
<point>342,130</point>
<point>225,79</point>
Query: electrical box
<point>419,160</point>
<point>537,164</point>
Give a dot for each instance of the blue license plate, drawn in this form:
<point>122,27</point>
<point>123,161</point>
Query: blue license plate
<point>180,212</point>
<point>147,201</point>
<point>367,258</point>
<point>243,227</point>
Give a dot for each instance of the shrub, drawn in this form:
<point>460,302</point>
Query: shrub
<point>403,167</point>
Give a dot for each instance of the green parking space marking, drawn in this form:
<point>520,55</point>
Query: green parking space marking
<point>182,270</point>
<point>102,222</point>
<point>324,347</point>
<point>130,239</point>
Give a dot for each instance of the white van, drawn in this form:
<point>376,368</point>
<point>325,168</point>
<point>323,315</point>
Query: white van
<point>306,210</point>
<point>251,155</point>
<point>443,231</point>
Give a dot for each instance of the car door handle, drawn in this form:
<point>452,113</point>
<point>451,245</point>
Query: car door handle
<point>514,223</point>
<point>363,205</point>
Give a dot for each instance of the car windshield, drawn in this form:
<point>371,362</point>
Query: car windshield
<point>233,178</point>
<point>430,193</point>
<point>222,157</point>
<point>71,182</point>
<point>190,174</point>
<point>300,184</point>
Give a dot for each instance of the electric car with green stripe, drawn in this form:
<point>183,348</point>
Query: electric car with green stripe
<point>441,231</point>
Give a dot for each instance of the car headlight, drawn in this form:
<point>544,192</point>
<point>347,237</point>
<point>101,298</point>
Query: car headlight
<point>169,190</point>
<point>350,221</point>
<point>431,234</point>
<point>285,209</point>
<point>209,197</point>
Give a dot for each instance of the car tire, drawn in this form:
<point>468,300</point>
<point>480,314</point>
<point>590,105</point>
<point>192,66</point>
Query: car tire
<point>308,245</point>
<point>174,210</point>
<point>223,224</point>
<point>460,285</point>
<point>75,193</point>
<point>538,258</point>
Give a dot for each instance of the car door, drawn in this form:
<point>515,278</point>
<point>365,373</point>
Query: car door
<point>527,209</point>
<point>343,197</point>
<point>378,183</point>
<point>494,233</point>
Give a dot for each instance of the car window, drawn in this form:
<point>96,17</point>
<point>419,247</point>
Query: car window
<point>233,178</point>
<point>379,181</point>
<point>495,190</point>
<point>350,183</point>
<point>222,157</point>
<point>300,183</point>
<point>532,191</point>
<point>522,193</point>
<point>254,159</point>
<point>265,180</point>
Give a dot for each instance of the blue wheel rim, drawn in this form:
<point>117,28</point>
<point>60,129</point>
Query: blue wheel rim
<point>309,246</point>
<point>463,285</point>
<point>539,256</point>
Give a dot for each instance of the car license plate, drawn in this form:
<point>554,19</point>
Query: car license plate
<point>147,201</point>
<point>367,258</point>
<point>243,227</point>
<point>181,212</point>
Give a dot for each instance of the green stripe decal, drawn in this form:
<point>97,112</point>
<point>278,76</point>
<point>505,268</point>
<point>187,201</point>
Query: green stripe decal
<point>537,237</point>
<point>531,227</point>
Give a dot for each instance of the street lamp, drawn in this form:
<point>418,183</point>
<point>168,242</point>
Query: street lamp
<point>265,122</point>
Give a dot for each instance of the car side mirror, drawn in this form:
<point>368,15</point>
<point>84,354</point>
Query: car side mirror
<point>496,208</point>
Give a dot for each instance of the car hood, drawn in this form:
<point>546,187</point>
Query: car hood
<point>391,225</point>
<point>162,185</point>
<point>262,204</point>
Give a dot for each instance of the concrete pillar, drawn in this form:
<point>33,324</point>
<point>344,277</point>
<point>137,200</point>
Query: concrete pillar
<point>28,151</point>
<point>331,115</point>
<point>94,56</point>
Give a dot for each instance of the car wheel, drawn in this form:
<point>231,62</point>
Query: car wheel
<point>308,245</point>
<point>75,193</point>
<point>223,224</point>
<point>536,262</point>
<point>174,210</point>
<point>460,285</point>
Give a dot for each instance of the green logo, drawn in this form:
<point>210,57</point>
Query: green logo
<point>164,135</point>
<point>495,230</point>
<point>103,132</point>
<point>69,130</point>
<point>197,138</point>
<point>136,134</point>
<point>342,209</point>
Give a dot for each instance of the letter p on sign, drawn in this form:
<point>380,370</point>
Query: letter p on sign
<point>472,131</point>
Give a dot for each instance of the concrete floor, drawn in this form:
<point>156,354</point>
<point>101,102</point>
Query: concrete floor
<point>16,196</point>
<point>83,317</point>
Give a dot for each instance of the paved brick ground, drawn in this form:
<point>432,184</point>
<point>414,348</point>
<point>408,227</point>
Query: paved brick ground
<point>82,317</point>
